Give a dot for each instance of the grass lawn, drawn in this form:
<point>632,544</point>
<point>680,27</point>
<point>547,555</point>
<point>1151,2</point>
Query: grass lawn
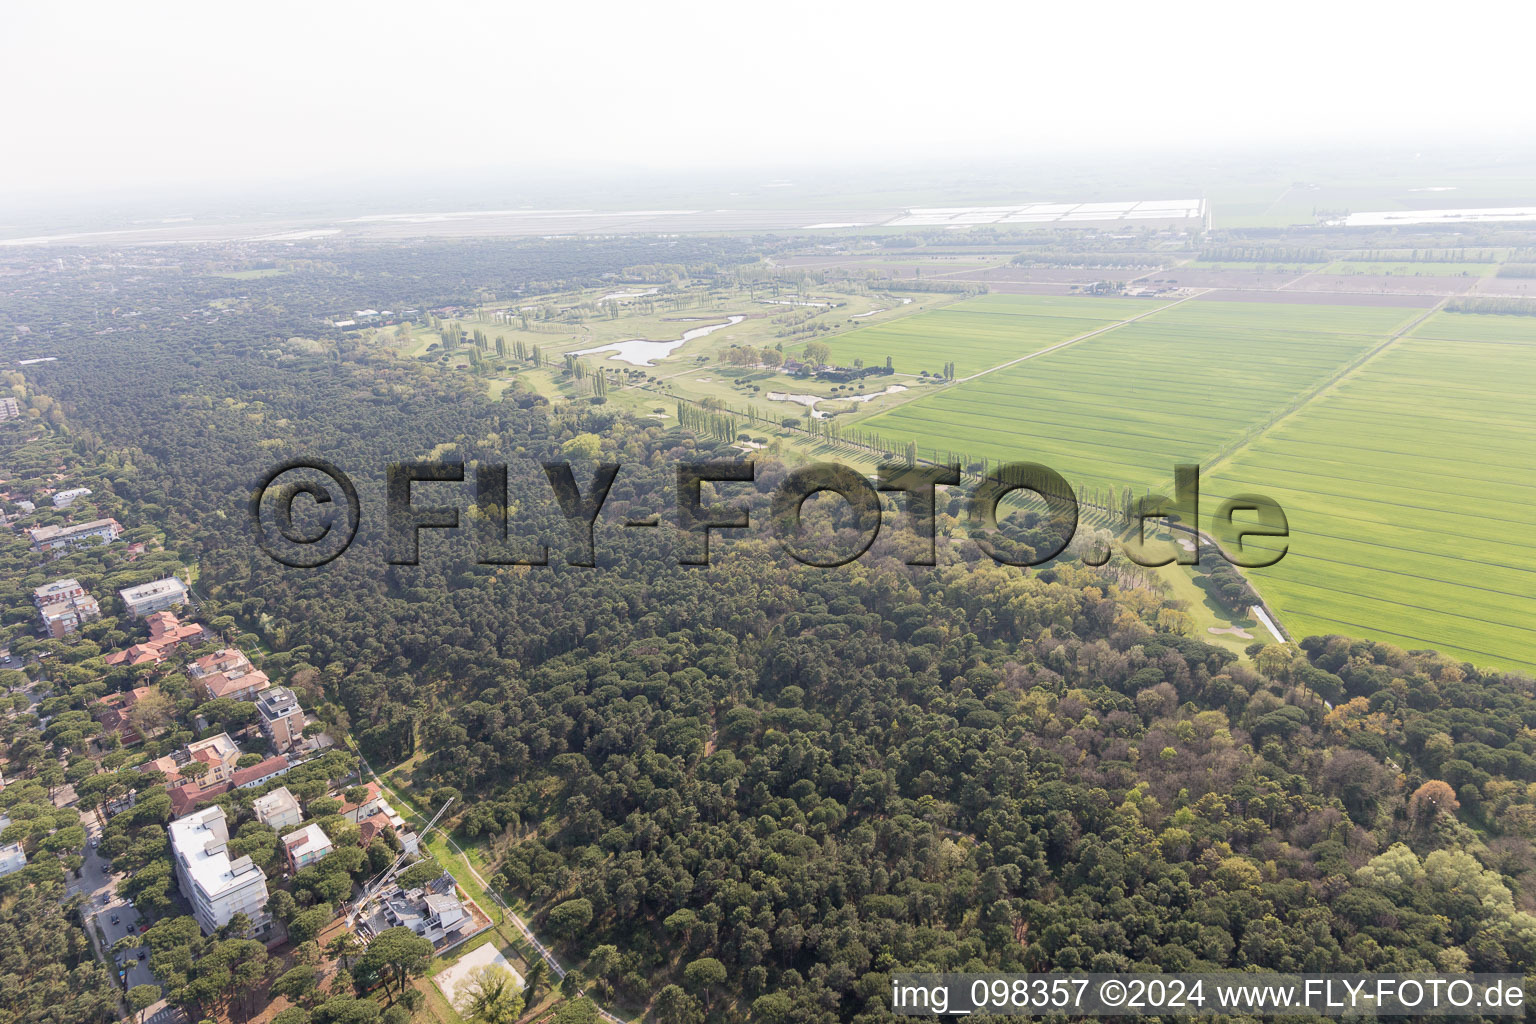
<point>1207,614</point>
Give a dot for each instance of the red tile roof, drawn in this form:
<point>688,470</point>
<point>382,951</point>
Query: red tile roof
<point>373,794</point>
<point>372,827</point>
<point>271,766</point>
<point>165,632</point>
<point>115,717</point>
<point>220,685</point>
<point>184,799</point>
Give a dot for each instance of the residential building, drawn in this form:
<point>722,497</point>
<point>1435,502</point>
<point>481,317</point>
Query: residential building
<point>115,714</point>
<point>170,766</point>
<point>374,815</point>
<point>219,753</point>
<point>188,798</point>
<point>64,499</point>
<point>306,846</point>
<point>435,912</point>
<point>12,858</point>
<point>216,886</point>
<point>166,632</point>
<point>228,673</point>
<point>51,538</point>
<point>9,409</point>
<point>373,803</point>
<point>118,804</point>
<point>61,618</point>
<point>256,774</point>
<point>66,589</point>
<point>280,716</point>
<point>278,809</point>
<point>155,596</point>
<point>372,827</point>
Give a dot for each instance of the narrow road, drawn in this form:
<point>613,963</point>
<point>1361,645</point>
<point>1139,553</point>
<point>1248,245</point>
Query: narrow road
<point>116,918</point>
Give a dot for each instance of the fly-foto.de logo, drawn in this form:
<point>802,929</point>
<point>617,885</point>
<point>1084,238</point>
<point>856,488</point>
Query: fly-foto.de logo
<point>306,512</point>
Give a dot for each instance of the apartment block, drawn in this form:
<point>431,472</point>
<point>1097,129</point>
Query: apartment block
<point>278,809</point>
<point>280,716</point>
<point>227,673</point>
<point>156,596</point>
<point>216,886</point>
<point>166,632</point>
<point>62,618</point>
<point>52,538</point>
<point>66,589</point>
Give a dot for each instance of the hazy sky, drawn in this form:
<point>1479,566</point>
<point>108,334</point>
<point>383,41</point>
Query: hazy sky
<point>103,94</point>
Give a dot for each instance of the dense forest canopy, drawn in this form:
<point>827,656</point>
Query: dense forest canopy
<point>810,777</point>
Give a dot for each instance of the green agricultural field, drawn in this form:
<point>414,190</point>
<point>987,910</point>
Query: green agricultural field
<point>1478,327</point>
<point>1240,317</point>
<point>1409,492</point>
<point>1406,477</point>
<point>1120,408</point>
<point>979,333</point>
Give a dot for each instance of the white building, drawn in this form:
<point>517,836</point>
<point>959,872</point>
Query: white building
<point>154,597</point>
<point>306,846</point>
<point>277,809</point>
<point>217,887</point>
<point>12,858</point>
<point>64,499</point>
<point>66,589</point>
<point>61,618</point>
<point>51,538</point>
<point>434,912</point>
